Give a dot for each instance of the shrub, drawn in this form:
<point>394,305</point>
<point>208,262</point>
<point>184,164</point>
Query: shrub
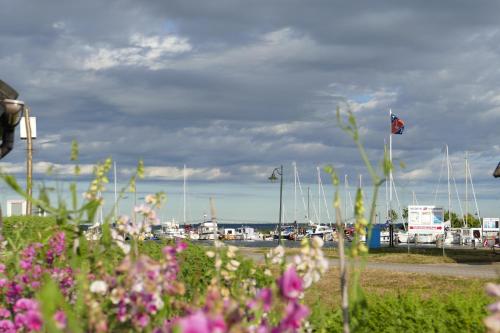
<point>409,313</point>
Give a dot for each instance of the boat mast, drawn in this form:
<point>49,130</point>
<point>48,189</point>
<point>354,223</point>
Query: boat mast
<point>184,195</point>
<point>116,197</point>
<point>308,195</point>
<point>466,192</point>
<point>449,184</point>
<point>319,195</point>
<point>345,201</point>
<point>294,191</point>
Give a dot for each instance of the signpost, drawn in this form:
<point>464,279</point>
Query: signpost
<point>426,220</point>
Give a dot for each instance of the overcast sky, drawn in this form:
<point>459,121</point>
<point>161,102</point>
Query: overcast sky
<point>234,88</point>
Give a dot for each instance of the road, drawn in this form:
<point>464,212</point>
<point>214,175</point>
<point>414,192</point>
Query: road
<point>480,270</point>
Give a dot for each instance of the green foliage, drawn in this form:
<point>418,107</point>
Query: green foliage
<point>393,215</point>
<point>28,229</point>
<point>459,222</point>
<point>409,313</point>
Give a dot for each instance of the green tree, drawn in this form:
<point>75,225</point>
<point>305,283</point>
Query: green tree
<point>456,221</point>
<point>393,215</point>
<point>405,214</point>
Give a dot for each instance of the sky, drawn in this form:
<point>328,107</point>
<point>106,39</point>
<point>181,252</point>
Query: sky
<point>233,89</point>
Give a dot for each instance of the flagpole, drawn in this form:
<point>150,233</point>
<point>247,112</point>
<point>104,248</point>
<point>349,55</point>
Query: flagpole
<point>390,158</point>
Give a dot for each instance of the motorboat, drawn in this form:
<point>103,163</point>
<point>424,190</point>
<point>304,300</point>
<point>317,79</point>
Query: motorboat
<point>170,230</point>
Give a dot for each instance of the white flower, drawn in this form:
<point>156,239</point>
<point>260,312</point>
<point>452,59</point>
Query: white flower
<point>210,254</point>
<point>99,287</point>
<point>317,242</point>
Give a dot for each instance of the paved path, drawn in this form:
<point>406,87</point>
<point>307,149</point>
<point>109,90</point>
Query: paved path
<point>484,271</point>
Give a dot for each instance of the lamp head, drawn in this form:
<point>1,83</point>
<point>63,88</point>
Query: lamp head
<point>496,173</point>
<point>11,110</point>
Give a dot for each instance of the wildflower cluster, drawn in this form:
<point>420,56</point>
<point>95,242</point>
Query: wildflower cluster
<point>100,172</point>
<point>139,293</point>
<point>19,310</point>
<point>312,263</point>
<point>492,322</point>
<point>136,289</point>
<point>139,227</point>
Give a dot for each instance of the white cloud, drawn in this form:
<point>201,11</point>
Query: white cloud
<point>143,51</point>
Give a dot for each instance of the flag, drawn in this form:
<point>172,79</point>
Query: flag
<point>398,125</point>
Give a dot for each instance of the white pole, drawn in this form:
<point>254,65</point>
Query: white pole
<point>466,192</point>
<point>449,184</point>
<point>116,196</point>
<point>345,200</point>
<point>184,194</point>
<point>295,191</point>
<point>386,189</point>
<point>390,157</point>
<point>319,196</point>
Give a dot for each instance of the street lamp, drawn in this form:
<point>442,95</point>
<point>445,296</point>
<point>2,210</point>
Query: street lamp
<point>273,178</point>
<point>10,115</point>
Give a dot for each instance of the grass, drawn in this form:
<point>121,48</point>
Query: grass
<point>382,283</point>
<point>402,302</point>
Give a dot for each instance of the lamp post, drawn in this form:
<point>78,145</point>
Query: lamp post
<point>279,172</point>
<point>10,111</point>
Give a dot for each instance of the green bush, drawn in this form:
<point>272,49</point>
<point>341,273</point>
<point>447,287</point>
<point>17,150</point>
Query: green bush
<point>28,228</point>
<point>409,313</point>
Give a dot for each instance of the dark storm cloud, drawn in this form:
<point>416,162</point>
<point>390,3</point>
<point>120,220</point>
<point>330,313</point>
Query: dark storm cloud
<point>245,86</point>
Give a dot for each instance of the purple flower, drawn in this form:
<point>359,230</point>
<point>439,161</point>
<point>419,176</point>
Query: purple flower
<point>290,284</point>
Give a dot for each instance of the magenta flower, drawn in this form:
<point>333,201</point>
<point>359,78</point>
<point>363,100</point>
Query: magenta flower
<point>290,284</point>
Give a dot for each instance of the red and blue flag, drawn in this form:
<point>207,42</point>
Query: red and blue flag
<point>397,125</point>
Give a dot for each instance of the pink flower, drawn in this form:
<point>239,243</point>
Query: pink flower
<point>295,313</point>
<point>7,326</point>
<point>181,246</point>
<point>4,313</point>
<point>199,322</point>
<point>25,304</point>
<point>290,284</point>
<point>142,319</point>
<point>34,320</point>
<point>60,319</point>
<point>266,296</point>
